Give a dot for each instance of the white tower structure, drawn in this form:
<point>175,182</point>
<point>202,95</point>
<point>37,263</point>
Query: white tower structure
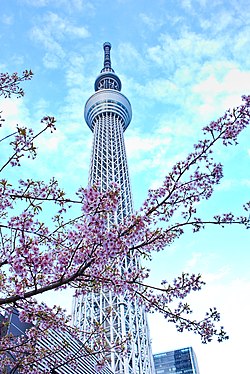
<point>108,114</point>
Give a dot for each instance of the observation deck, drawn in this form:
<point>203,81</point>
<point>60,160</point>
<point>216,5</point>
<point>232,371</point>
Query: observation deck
<point>107,98</point>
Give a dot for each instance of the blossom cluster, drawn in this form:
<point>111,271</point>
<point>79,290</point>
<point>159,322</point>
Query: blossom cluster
<point>10,83</point>
<point>84,248</point>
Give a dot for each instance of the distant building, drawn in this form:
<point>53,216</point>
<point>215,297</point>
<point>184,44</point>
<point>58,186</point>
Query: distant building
<point>180,361</point>
<point>58,362</point>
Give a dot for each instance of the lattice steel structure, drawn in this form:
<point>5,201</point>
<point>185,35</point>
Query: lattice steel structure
<point>108,114</point>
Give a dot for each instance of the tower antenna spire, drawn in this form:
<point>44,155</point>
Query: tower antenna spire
<point>107,59</point>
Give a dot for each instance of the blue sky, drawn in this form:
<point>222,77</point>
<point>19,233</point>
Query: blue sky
<point>182,64</point>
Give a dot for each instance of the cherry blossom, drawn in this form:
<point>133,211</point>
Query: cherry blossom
<point>75,248</point>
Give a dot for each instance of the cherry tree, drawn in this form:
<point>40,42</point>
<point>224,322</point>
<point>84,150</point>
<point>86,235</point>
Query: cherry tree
<point>74,248</point>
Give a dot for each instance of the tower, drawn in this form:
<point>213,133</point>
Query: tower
<point>108,114</point>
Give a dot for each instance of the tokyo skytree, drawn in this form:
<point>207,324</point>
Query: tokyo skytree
<point>108,114</point>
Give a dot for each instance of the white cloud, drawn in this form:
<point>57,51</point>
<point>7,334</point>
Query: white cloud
<point>220,20</point>
<point>69,5</point>
<point>152,23</point>
<point>36,3</point>
<point>74,73</point>
<point>59,153</point>
<point>60,26</point>
<point>45,37</point>
<point>159,89</point>
<point>52,61</point>
<point>147,153</point>
<point>234,83</point>
<point>218,94</point>
<point>51,34</point>
<point>245,182</point>
<point>193,260</point>
<point>186,4</point>
<point>51,142</point>
<point>149,21</point>
<point>15,112</point>
<point>128,56</point>
<point>230,184</point>
<point>7,19</point>
<point>188,48</point>
<point>198,73</point>
<point>137,143</point>
<point>10,107</point>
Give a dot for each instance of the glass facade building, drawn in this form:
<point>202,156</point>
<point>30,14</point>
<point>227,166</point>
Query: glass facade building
<point>180,361</point>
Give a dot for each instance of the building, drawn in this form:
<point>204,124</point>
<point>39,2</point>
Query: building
<point>180,361</point>
<point>108,114</point>
<point>63,353</point>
